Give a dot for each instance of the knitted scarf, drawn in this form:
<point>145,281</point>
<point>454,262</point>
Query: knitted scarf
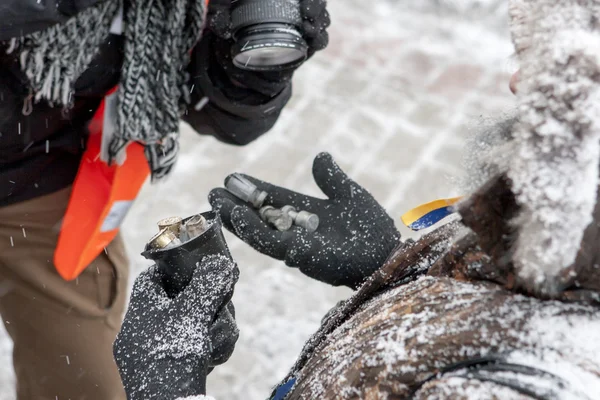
<point>153,91</point>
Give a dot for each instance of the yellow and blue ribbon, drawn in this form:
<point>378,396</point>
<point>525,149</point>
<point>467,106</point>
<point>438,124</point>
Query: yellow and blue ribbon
<point>429,214</point>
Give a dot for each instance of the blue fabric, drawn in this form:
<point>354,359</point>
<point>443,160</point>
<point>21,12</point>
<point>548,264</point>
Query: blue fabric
<point>283,390</point>
<point>431,218</point>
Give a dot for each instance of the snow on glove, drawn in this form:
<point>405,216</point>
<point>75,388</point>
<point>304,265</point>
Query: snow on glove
<point>165,347</point>
<point>315,21</point>
<point>354,238</point>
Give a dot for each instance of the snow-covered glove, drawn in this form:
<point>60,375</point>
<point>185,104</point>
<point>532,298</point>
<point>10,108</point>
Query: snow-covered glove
<point>166,346</point>
<point>354,237</point>
<point>315,21</point>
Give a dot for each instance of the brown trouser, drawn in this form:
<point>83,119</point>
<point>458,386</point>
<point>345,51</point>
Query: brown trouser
<point>62,331</point>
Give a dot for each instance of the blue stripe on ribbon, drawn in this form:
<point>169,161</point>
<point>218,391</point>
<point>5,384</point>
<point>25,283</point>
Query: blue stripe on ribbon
<point>284,389</point>
<point>431,218</point>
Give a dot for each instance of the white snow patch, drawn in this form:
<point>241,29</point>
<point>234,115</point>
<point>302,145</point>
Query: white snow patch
<point>566,346</point>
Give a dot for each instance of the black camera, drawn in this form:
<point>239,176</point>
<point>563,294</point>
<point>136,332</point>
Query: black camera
<point>267,35</point>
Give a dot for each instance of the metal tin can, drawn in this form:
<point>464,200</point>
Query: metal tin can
<point>177,263</point>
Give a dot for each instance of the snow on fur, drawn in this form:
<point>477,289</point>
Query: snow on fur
<point>555,173</point>
<point>434,322</point>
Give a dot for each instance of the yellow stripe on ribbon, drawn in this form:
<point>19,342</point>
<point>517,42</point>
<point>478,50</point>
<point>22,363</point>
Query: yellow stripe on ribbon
<point>429,214</point>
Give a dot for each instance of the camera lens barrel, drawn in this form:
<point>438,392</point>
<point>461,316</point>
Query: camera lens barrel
<point>254,12</point>
<point>266,35</point>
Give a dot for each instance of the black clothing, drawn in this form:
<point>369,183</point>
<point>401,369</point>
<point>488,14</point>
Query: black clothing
<point>40,150</point>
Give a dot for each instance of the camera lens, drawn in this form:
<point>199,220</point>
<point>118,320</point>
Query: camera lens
<point>266,34</point>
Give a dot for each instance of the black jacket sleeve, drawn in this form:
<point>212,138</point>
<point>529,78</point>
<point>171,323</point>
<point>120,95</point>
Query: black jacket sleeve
<point>231,113</point>
<point>21,17</point>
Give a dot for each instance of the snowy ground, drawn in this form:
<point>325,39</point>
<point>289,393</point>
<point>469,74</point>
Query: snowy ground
<point>392,98</point>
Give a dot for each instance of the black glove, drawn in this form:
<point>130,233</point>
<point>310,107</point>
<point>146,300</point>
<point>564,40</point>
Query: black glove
<point>315,21</point>
<point>223,335</point>
<point>354,238</point>
<point>166,347</point>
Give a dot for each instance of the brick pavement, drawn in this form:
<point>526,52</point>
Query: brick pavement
<point>392,98</point>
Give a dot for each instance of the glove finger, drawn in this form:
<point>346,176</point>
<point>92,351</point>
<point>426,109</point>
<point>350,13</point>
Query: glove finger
<point>231,309</point>
<point>223,202</point>
<point>256,233</point>
<point>318,43</point>
<point>309,30</point>
<point>330,178</point>
<point>147,292</point>
<point>312,9</point>
<point>211,287</point>
<point>224,333</point>
<point>325,20</point>
<point>148,287</point>
<point>279,196</point>
<point>312,29</point>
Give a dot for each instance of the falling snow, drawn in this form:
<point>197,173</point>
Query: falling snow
<point>388,121</point>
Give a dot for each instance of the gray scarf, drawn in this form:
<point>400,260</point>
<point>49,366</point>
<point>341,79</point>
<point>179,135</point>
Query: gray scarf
<point>153,91</point>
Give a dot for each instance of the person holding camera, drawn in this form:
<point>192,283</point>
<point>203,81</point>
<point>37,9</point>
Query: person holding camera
<point>91,96</point>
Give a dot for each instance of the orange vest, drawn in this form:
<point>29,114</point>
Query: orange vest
<point>100,199</point>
